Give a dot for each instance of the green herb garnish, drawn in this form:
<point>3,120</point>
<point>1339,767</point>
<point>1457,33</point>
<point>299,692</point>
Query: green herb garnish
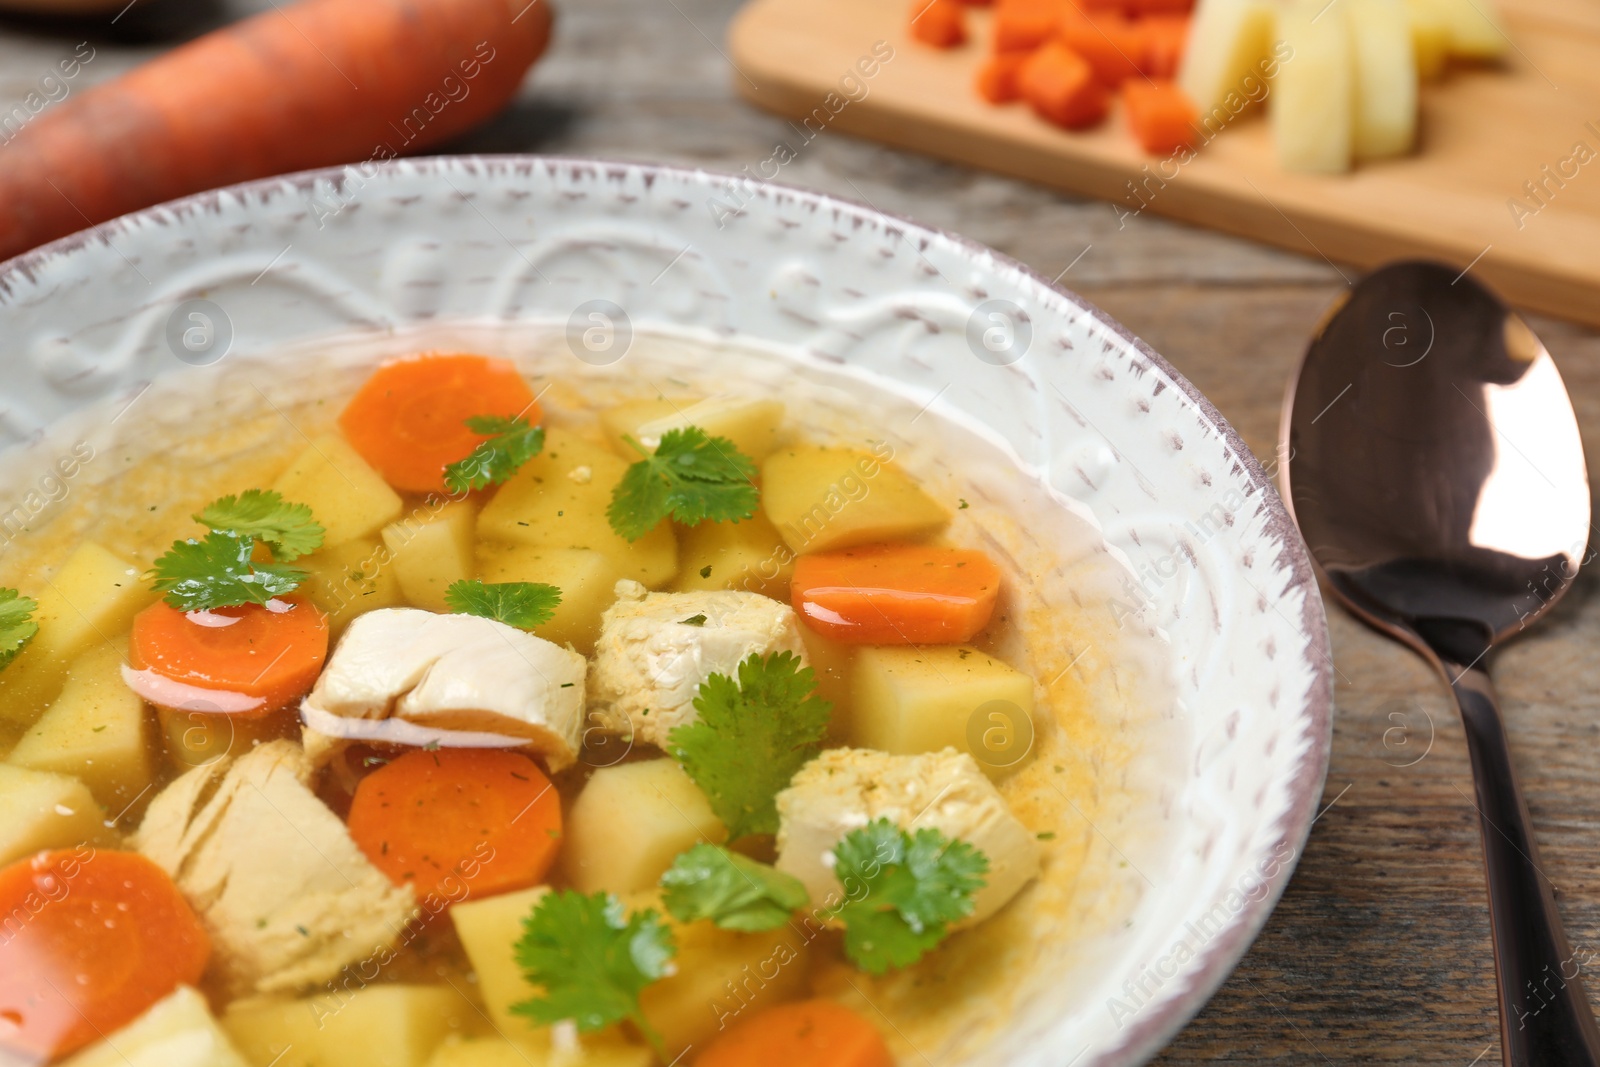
<point>733,891</point>
<point>17,627</point>
<point>520,604</point>
<point>691,477</point>
<point>288,529</point>
<point>218,572</point>
<point>512,442</point>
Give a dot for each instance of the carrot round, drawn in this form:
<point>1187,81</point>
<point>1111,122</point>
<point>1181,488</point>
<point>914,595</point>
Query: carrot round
<point>409,419</point>
<point>459,822</point>
<point>1160,114</point>
<point>1061,88</point>
<point>92,939</point>
<point>304,85</point>
<point>896,594</point>
<point>810,1033</point>
<point>253,659</point>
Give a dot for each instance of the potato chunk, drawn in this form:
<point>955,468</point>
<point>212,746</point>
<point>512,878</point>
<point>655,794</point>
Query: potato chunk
<point>498,1052</point>
<point>822,498</point>
<point>40,810</point>
<point>351,579</point>
<point>1313,99</point>
<point>430,552</point>
<point>1228,40</point>
<point>95,593</point>
<point>748,555</point>
<point>97,728</point>
<point>1385,78</point>
<point>177,1032</point>
<point>559,499</point>
<point>344,493</point>
<point>631,821</point>
<point>391,1024</point>
<point>750,423</point>
<point>587,580</point>
<point>907,700</point>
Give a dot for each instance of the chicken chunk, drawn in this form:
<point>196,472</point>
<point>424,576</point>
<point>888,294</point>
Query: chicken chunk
<point>457,673</point>
<point>656,648</point>
<point>288,898</point>
<point>846,788</point>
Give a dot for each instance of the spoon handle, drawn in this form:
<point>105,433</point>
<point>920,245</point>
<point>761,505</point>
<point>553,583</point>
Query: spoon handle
<point>1545,1020</point>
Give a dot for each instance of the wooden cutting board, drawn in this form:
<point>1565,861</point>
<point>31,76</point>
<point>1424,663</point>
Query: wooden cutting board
<point>1484,134</point>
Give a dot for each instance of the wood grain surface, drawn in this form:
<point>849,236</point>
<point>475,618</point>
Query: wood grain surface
<point>1483,135</point>
<point>1379,952</point>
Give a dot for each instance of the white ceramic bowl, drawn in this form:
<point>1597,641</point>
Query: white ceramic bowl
<point>1211,567</point>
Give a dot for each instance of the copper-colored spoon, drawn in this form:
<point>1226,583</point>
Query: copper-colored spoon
<point>1437,475</point>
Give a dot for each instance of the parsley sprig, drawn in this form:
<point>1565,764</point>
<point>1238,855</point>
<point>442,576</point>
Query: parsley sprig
<point>524,605</point>
<point>512,442</point>
<point>220,570</point>
<point>902,892</point>
<point>733,891</point>
<point>17,627</point>
<point>591,960</point>
<point>751,737</point>
<point>691,477</point>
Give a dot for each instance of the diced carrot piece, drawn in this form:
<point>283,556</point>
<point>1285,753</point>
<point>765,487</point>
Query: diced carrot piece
<point>811,1033</point>
<point>1165,37</point>
<point>1109,43</point>
<point>941,23</point>
<point>409,419</point>
<point>1146,8</point>
<point>1061,87</point>
<point>896,594</point>
<point>99,937</point>
<point>1160,114</point>
<point>977,3</point>
<point>997,78</point>
<point>462,822</point>
<point>1023,25</point>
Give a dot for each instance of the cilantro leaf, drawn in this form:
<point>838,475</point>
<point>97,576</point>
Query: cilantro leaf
<point>16,624</point>
<point>902,892</point>
<point>512,442</point>
<point>591,960</point>
<point>736,893</point>
<point>520,604</point>
<point>264,515</point>
<point>217,572</point>
<point>691,477</point>
<point>751,737</point>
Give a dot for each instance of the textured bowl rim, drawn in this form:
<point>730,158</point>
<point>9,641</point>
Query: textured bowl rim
<point>1222,954</point>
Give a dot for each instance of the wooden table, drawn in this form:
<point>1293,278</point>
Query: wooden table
<point>1379,952</point>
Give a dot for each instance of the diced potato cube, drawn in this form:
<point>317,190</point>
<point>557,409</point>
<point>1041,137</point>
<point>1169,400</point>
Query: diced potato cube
<point>559,500</point>
<point>1313,97</point>
<point>587,580</point>
<point>498,1052</point>
<point>178,1032</point>
<point>722,977</point>
<point>1385,78</point>
<point>430,552</point>
<point>631,821</point>
<point>97,728</point>
<point>748,555</point>
<point>909,700</point>
<point>344,493</point>
<point>489,929</point>
<point>1430,38</point>
<point>750,423</point>
<point>833,664</point>
<point>40,810</point>
<point>822,498</point>
<point>392,1025</point>
<point>1474,28</point>
<point>95,593</point>
<point>1228,42</point>
<point>351,579</point>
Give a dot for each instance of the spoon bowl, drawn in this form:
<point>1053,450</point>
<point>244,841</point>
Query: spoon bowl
<point>1437,474</point>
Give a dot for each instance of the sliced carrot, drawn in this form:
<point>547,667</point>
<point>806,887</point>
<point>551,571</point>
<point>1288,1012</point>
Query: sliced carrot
<point>1023,25</point>
<point>460,822</point>
<point>896,594</point>
<point>253,659</point>
<point>1160,114</point>
<point>1146,8</point>
<point>1109,43</point>
<point>997,78</point>
<point>409,419</point>
<point>1165,37</point>
<point>941,23</point>
<point>809,1033</point>
<point>91,940</point>
<point>1061,87</point>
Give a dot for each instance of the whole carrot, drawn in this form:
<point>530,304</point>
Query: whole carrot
<point>305,85</point>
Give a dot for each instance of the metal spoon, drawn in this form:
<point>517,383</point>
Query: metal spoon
<point>1435,469</point>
